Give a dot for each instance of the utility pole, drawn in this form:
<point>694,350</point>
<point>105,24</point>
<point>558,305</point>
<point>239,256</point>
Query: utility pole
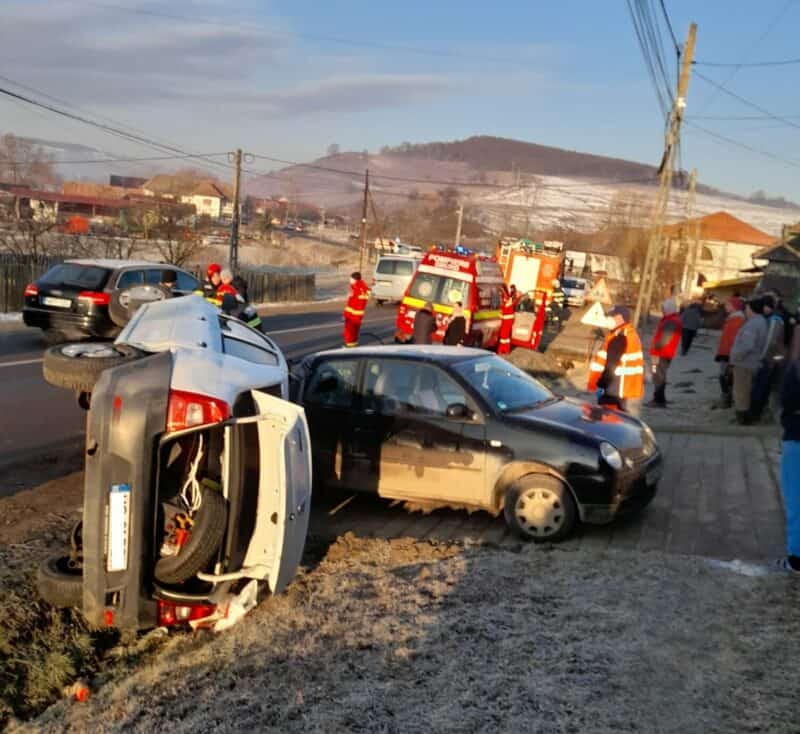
<point>237,180</point>
<point>690,242</point>
<point>458,226</point>
<point>653,257</point>
<point>377,221</point>
<point>364,221</point>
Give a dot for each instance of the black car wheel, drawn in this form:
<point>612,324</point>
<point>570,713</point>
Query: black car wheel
<point>208,532</point>
<point>60,582</point>
<point>539,507</point>
<point>77,366</point>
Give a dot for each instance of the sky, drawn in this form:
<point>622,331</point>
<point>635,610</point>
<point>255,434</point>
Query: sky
<point>287,78</point>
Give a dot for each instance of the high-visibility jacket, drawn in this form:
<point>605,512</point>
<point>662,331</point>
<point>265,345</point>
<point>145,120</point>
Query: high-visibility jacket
<point>209,291</point>
<point>357,301</point>
<point>625,379</point>
<point>667,337</point>
<point>558,299</point>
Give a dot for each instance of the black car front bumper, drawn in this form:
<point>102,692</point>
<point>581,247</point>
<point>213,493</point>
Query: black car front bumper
<point>631,491</point>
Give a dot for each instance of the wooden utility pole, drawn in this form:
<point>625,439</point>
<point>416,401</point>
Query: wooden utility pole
<point>458,226</point>
<point>652,259</point>
<point>689,240</point>
<point>237,181</point>
<point>377,221</point>
<point>364,222</point>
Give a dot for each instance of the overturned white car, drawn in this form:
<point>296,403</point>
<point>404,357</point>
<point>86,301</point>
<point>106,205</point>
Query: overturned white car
<point>198,470</point>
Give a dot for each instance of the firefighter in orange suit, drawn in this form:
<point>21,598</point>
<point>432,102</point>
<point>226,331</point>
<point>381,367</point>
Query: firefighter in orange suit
<point>354,309</point>
<point>507,307</point>
<point>616,373</point>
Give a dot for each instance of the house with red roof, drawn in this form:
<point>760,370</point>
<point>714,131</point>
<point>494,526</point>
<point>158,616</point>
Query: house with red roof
<point>725,246</point>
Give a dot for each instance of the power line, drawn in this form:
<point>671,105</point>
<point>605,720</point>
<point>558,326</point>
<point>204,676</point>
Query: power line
<point>669,27</point>
<point>660,84</point>
<point>737,118</point>
<point>744,146</point>
<point>738,66</point>
<point>752,64</point>
<point>88,161</point>
<point>747,102</point>
<point>250,26</point>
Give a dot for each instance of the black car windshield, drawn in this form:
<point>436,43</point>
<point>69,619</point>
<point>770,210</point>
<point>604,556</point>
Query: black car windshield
<point>502,385</point>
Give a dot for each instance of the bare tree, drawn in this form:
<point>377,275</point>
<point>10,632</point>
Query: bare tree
<point>176,244</point>
<point>25,164</point>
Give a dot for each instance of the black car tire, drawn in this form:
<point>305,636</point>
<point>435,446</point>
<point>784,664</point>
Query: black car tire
<point>541,508</point>
<point>204,542</point>
<point>77,366</point>
<point>58,584</point>
<point>120,314</point>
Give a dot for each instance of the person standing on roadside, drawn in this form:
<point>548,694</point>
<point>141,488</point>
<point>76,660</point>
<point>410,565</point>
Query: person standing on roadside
<point>771,358</point>
<point>790,458</point>
<point>616,374</point>
<point>354,309</point>
<point>456,327</point>
<point>746,356</point>
<point>734,307</point>
<point>424,325</point>
<point>507,308</point>
<point>692,320</point>
<point>663,349</point>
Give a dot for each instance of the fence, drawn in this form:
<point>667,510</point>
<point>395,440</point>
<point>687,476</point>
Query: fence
<point>16,271</point>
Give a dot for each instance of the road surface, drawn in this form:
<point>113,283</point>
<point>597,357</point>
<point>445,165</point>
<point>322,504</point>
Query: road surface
<point>42,422</point>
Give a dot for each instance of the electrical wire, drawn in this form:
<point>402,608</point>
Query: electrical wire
<point>743,146</point>
<point>669,27</point>
<point>751,65</point>
<point>87,161</point>
<point>723,86</point>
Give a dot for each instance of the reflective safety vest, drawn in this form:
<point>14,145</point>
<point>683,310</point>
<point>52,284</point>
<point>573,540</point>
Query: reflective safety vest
<point>627,380</point>
<point>357,302</point>
<point>209,292</point>
<point>667,337</point>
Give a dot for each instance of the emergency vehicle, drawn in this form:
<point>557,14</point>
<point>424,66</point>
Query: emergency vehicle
<point>447,276</point>
<point>531,266</point>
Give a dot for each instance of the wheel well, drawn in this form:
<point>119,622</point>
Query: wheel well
<point>515,471</point>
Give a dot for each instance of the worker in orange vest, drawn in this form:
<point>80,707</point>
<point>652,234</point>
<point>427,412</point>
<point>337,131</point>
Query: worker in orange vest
<point>507,307</point>
<point>616,373</point>
<point>354,309</point>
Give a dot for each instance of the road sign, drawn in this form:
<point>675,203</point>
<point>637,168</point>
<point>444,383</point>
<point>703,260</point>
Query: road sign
<point>596,316</point>
<point>599,293</point>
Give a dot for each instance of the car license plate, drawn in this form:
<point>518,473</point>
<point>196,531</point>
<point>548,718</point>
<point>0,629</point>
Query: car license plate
<point>653,476</point>
<point>57,302</point>
<point>119,508</point>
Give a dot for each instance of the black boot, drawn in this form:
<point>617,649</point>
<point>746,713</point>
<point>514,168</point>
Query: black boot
<point>659,397</point>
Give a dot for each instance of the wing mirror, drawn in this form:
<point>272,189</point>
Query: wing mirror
<point>458,410</point>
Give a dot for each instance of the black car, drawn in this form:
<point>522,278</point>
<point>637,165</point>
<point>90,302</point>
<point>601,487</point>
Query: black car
<point>463,428</point>
<point>74,298</point>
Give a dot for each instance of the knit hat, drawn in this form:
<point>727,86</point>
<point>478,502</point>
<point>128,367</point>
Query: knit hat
<point>669,307</point>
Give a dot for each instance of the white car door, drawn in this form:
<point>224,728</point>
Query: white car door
<point>284,499</point>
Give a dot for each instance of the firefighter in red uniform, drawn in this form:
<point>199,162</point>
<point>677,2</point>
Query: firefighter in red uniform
<point>663,348</point>
<point>354,309</point>
<point>507,308</point>
<point>616,373</point>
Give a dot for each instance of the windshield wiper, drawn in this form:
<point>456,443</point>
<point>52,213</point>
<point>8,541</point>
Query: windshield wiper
<point>529,406</point>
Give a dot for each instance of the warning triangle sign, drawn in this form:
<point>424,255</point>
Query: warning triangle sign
<point>595,316</point>
<point>599,293</point>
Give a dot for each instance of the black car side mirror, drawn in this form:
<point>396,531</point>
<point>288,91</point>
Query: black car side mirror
<point>457,410</point>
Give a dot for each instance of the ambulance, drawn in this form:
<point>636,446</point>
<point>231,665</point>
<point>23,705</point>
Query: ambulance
<point>447,276</point>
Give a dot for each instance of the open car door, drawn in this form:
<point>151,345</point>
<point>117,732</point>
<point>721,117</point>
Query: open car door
<point>283,506</point>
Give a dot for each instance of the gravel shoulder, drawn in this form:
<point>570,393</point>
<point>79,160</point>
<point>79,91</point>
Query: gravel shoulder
<point>407,636</point>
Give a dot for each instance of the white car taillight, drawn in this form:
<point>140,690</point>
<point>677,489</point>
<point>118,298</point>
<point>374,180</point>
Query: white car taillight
<point>187,409</point>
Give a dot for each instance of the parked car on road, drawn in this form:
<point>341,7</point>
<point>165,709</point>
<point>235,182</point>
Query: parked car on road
<point>575,290</point>
<point>459,427</point>
<point>198,470</point>
<point>72,299</point>
<point>393,273</point>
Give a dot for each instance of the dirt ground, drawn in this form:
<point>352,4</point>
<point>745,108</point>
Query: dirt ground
<point>406,636</point>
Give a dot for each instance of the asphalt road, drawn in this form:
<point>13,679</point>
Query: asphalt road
<point>43,422</point>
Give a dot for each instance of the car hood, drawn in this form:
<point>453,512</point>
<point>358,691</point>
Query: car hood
<point>628,434</point>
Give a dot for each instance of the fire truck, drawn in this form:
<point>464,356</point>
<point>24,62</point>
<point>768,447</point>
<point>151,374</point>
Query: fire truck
<point>445,277</point>
<point>531,266</point>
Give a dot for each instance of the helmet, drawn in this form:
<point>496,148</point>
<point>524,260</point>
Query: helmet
<point>556,283</point>
<point>213,268</point>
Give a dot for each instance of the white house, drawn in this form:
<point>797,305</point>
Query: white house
<point>211,199</point>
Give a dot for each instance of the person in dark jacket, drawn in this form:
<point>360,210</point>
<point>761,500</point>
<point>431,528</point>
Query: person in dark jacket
<point>790,458</point>
<point>692,319</point>
<point>424,325</point>
<point>456,327</point>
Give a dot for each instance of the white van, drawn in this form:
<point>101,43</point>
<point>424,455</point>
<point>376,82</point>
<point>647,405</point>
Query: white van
<point>575,290</point>
<point>393,273</point>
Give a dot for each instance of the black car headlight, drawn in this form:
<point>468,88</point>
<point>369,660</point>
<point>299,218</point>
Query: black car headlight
<point>611,455</point>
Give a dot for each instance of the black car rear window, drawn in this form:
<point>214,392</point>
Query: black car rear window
<point>91,277</point>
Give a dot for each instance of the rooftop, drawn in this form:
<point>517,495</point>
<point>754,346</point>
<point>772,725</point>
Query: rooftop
<point>721,227</point>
